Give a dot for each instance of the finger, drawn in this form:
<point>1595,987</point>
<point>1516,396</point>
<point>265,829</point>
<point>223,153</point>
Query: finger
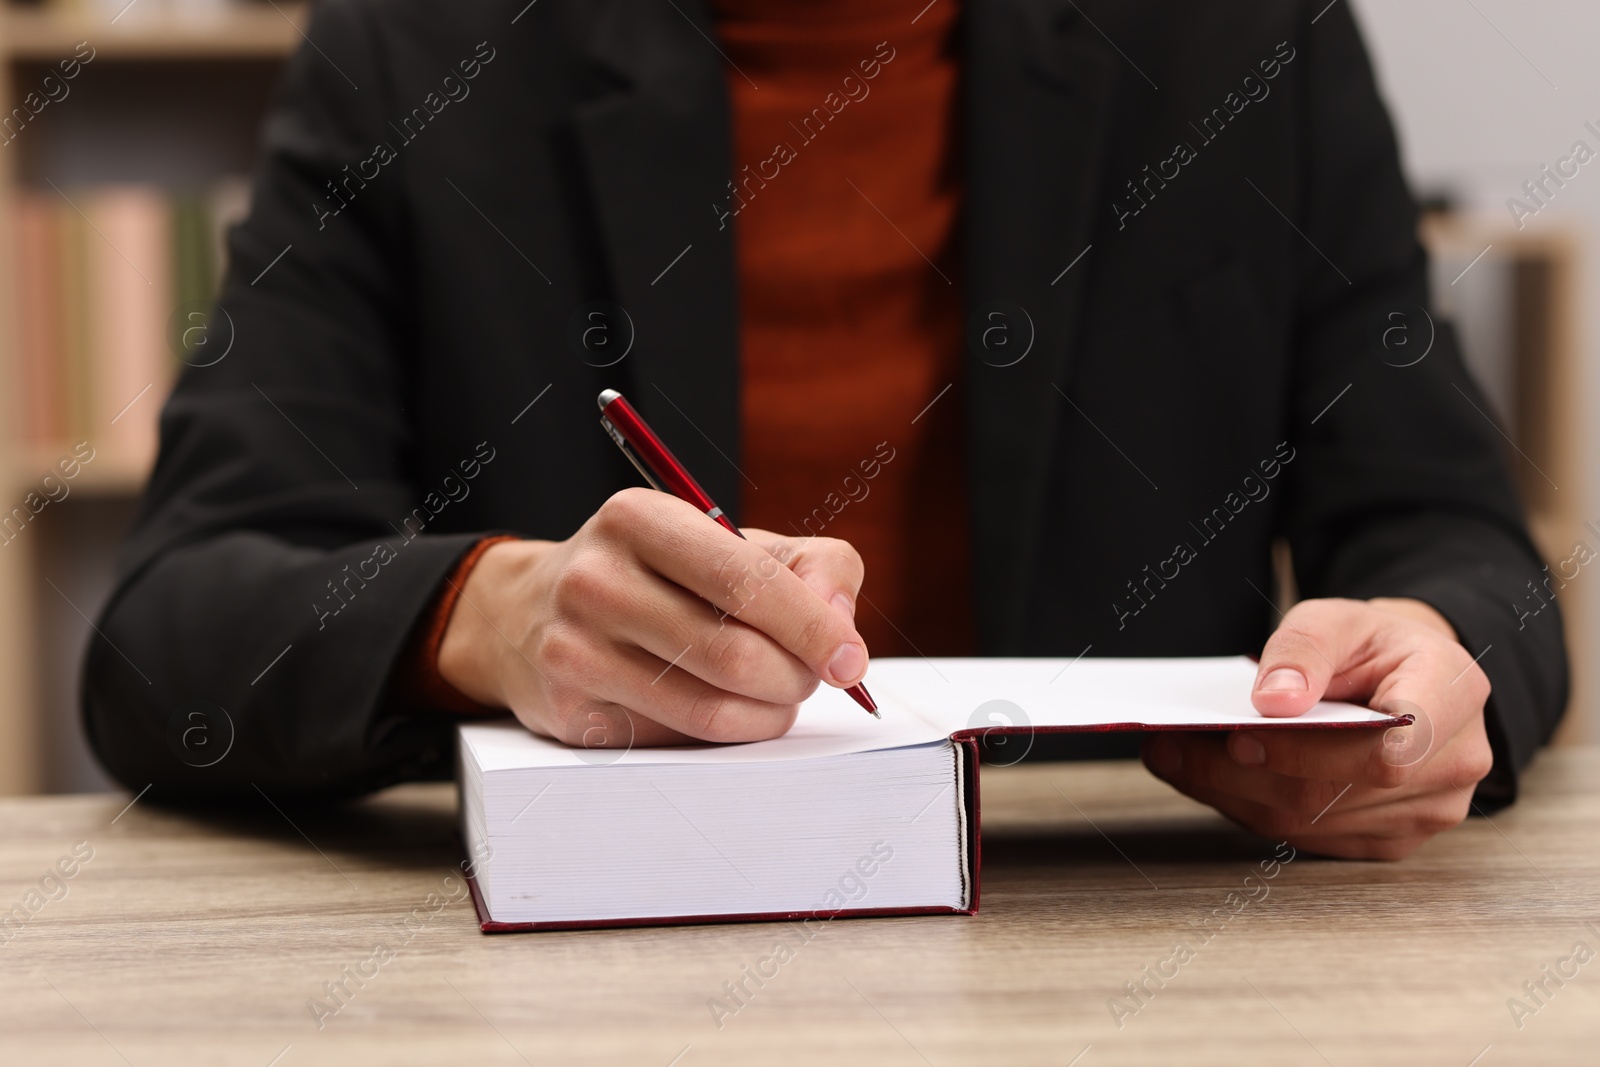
<point>682,702</point>
<point>1203,761</point>
<point>830,567</point>
<point>1209,761</point>
<point>656,705</point>
<point>1343,755</point>
<point>685,632</point>
<point>1419,686</point>
<point>740,577</point>
<point>1384,832</point>
<point>577,718</point>
<point>1317,650</point>
<point>601,725</point>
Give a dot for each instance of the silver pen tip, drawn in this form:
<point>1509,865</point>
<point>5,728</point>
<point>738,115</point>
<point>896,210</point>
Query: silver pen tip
<point>875,714</point>
<point>607,396</point>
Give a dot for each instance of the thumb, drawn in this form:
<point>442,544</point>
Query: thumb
<point>831,568</point>
<point>1302,656</point>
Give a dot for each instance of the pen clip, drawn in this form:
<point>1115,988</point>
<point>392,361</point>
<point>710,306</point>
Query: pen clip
<point>633,457</point>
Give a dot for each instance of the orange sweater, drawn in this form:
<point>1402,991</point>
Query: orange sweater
<point>844,210</point>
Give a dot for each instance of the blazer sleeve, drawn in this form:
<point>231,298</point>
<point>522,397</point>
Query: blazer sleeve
<point>279,560</point>
<point>1401,486</point>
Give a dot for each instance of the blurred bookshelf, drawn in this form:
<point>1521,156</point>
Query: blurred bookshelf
<point>1514,298</point>
<point>127,131</point>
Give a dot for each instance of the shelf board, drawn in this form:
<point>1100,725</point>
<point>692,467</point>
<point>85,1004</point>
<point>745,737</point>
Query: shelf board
<point>238,31</point>
<point>1473,231</point>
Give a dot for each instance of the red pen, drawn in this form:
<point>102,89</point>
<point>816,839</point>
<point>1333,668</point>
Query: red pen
<point>663,471</point>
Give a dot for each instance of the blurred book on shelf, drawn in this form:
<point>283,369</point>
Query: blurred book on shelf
<point>102,271</point>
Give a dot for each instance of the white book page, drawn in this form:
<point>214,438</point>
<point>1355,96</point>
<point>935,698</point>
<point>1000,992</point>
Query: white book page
<point>1187,692</point>
<point>926,700</point>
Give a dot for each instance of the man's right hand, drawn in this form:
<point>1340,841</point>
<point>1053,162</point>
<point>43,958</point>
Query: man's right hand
<point>607,639</point>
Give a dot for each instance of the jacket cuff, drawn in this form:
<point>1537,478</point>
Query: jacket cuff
<point>418,681</point>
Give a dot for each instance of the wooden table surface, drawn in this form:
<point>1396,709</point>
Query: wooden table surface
<point>204,938</point>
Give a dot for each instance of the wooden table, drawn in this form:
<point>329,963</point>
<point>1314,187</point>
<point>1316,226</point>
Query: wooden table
<point>202,937</point>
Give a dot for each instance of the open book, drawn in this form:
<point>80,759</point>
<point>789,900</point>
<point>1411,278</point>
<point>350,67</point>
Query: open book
<point>844,815</point>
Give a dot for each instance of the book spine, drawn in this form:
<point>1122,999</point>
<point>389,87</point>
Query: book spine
<point>971,812</point>
<point>73,357</point>
<point>130,289</point>
<point>191,251</point>
<point>39,317</point>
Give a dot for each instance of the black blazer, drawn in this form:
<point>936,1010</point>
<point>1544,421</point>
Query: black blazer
<point>1199,235</point>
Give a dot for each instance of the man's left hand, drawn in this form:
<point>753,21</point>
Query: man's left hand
<point>1357,794</point>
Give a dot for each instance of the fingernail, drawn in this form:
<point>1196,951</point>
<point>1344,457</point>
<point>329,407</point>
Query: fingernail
<point>1166,758</point>
<point>1284,679</point>
<point>1247,749</point>
<point>846,605</point>
<point>848,664</point>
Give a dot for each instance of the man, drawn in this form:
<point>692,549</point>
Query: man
<point>1017,327</point>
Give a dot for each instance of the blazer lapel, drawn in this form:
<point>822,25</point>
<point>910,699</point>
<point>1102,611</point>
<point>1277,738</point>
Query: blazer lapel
<point>1038,108</point>
<point>656,146</point>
